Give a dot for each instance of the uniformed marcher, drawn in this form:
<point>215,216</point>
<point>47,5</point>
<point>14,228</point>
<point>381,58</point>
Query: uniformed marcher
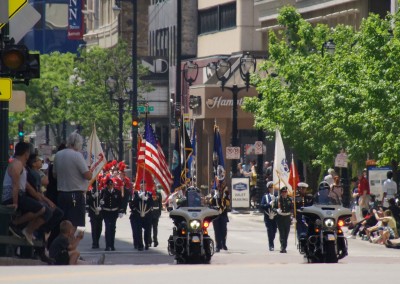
<point>95,215</point>
<point>141,206</point>
<point>284,207</point>
<point>269,214</point>
<point>111,207</point>
<point>155,217</point>
<point>222,201</point>
<point>302,200</point>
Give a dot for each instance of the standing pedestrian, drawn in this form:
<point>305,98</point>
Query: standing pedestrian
<point>111,209</point>
<point>73,175</point>
<point>389,190</point>
<point>363,190</point>
<point>284,207</point>
<point>267,202</point>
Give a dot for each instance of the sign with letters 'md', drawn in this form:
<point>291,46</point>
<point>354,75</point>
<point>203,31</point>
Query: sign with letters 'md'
<point>14,6</point>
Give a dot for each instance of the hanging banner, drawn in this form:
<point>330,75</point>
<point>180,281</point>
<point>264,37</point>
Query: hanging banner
<point>75,20</point>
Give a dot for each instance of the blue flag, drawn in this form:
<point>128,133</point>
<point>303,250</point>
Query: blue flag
<point>176,163</point>
<point>218,157</point>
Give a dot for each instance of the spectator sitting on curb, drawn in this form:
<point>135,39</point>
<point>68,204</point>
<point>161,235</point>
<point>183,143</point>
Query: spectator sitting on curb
<point>387,218</point>
<point>64,248</point>
<point>384,233</point>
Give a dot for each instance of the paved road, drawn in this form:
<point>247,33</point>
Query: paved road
<point>247,260</point>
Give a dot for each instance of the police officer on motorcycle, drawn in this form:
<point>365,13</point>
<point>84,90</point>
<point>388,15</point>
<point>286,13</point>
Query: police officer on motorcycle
<point>302,200</point>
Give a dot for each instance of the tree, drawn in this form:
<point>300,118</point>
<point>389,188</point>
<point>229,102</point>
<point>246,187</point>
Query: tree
<point>324,103</point>
<point>83,98</point>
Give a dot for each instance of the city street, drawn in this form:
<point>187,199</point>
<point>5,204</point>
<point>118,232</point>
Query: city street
<point>246,260</point>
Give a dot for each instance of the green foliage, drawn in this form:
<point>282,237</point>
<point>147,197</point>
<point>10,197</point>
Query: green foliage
<point>83,96</point>
<point>322,102</point>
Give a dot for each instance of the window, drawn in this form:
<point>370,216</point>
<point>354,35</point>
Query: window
<point>217,18</point>
<point>227,16</point>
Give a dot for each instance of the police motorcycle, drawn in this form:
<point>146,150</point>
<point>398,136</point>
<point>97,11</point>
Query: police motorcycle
<point>190,241</point>
<point>324,241</point>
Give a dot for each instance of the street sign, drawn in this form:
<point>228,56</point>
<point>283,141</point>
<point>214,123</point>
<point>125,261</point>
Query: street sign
<point>14,6</point>
<point>341,160</point>
<point>22,23</point>
<point>5,89</point>
<point>143,108</point>
<point>233,153</point>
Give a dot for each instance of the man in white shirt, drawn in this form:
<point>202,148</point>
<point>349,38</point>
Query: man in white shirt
<point>389,189</point>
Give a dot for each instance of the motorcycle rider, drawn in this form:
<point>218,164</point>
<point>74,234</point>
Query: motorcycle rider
<point>302,200</point>
<point>269,215</point>
<point>284,206</point>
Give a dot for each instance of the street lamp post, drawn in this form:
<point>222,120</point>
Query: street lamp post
<point>134,91</point>
<point>118,96</point>
<point>223,72</point>
<point>55,92</point>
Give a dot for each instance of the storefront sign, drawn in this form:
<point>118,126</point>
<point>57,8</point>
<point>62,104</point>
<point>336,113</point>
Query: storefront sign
<point>217,102</point>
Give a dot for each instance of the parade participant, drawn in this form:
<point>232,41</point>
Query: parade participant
<point>111,209</point>
<point>329,177</point>
<point>73,175</point>
<point>155,215</point>
<point>141,205</point>
<point>222,201</point>
<point>302,200</point>
<point>126,185</point>
<point>95,215</point>
<point>269,215</point>
<point>284,207</point>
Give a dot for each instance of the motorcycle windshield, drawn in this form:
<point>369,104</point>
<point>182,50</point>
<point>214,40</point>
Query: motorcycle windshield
<point>194,198</point>
<point>326,197</point>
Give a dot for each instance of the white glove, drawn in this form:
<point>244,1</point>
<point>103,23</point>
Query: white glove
<point>272,203</point>
<point>95,194</point>
<point>271,214</point>
<point>279,210</point>
<point>101,202</point>
<point>120,215</point>
<point>294,221</point>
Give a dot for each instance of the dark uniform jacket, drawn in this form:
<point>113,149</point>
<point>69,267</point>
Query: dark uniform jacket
<point>111,201</point>
<point>285,204</point>
<point>157,205</point>
<point>141,206</point>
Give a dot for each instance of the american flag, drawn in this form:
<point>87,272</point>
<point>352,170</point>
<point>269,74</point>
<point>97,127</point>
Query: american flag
<point>153,157</point>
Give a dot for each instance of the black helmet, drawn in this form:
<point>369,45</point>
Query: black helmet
<point>323,186</point>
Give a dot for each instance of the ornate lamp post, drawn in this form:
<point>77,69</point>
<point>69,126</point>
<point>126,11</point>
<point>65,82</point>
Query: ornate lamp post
<point>118,96</point>
<point>223,71</point>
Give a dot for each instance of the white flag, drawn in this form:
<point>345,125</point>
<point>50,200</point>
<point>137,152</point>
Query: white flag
<point>281,168</point>
<point>95,158</point>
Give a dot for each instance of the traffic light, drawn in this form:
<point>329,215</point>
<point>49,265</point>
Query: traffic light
<point>17,63</point>
<point>21,131</point>
<point>135,122</point>
<point>11,149</point>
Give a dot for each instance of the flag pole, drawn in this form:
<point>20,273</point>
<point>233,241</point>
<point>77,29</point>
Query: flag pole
<point>294,201</point>
<point>144,161</point>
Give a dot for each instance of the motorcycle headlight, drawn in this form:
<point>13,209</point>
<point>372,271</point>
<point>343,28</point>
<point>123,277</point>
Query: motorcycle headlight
<point>330,223</point>
<point>194,224</point>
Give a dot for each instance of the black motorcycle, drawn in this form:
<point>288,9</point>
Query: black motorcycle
<point>324,241</point>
